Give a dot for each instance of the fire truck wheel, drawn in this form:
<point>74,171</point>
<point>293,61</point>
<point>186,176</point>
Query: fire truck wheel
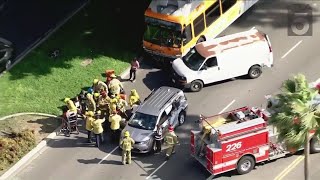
<point>196,86</point>
<point>245,165</point>
<point>315,145</point>
<point>254,72</point>
<point>182,117</point>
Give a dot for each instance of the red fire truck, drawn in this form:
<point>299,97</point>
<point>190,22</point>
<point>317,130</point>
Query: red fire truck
<point>242,139</point>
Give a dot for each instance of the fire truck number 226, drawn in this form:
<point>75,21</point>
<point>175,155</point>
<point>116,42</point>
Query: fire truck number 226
<point>234,146</point>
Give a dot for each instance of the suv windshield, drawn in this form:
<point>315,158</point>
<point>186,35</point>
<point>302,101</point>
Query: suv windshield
<point>193,60</point>
<point>143,121</point>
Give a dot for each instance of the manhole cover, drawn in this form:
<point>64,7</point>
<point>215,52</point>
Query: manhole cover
<point>86,62</point>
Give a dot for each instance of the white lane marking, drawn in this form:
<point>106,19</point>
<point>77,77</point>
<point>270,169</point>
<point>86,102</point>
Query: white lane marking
<point>156,169</point>
<point>108,155</point>
<point>227,106</point>
<point>291,49</point>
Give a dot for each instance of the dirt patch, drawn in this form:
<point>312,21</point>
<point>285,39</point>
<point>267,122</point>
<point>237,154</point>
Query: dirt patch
<point>86,62</point>
<point>40,125</point>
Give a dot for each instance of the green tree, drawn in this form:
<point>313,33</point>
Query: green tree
<point>296,115</point>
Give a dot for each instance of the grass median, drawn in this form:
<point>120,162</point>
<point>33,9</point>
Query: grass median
<point>96,39</point>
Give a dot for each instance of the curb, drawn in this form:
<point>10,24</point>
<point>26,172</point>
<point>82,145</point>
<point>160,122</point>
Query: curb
<point>35,151</point>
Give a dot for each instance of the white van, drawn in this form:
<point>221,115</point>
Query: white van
<point>243,53</point>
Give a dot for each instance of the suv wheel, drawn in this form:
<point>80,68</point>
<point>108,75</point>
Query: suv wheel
<point>182,117</point>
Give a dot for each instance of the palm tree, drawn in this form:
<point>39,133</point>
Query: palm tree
<point>297,114</point>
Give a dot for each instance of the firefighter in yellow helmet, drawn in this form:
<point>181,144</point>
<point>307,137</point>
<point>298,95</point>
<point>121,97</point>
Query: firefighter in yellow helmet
<point>70,104</point>
<point>121,105</point>
<point>97,128</point>
<point>96,97</point>
<point>134,98</point>
<point>126,145</point>
<point>115,120</point>
<point>89,118</point>
<point>99,86</point>
<point>113,103</point>
<point>103,103</point>
<point>91,104</point>
<point>115,86</point>
<point>171,139</point>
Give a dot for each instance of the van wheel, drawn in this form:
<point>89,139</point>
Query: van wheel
<point>315,145</point>
<point>201,39</point>
<point>182,117</point>
<point>196,86</point>
<point>254,72</point>
<point>245,165</point>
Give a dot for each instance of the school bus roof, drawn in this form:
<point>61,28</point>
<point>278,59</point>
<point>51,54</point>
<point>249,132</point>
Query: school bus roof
<point>213,47</point>
<point>162,9</point>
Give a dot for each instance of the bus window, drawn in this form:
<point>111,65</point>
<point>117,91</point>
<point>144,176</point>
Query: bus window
<point>187,34</point>
<point>198,25</point>
<point>212,13</point>
<point>227,4</point>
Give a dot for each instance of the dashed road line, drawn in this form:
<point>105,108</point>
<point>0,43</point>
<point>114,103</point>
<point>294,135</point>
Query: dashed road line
<point>291,49</point>
<point>227,106</point>
<point>156,169</point>
<point>108,155</point>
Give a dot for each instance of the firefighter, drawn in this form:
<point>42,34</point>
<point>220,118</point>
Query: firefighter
<point>113,103</point>
<point>71,106</point>
<point>97,128</point>
<point>99,86</point>
<point>134,98</point>
<point>115,120</point>
<point>126,144</point>
<point>121,106</point>
<point>103,102</point>
<point>96,97</point>
<point>171,139</point>
<point>89,119</point>
<point>115,86</point>
<point>91,104</point>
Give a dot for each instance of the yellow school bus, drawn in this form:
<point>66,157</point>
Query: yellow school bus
<point>175,26</point>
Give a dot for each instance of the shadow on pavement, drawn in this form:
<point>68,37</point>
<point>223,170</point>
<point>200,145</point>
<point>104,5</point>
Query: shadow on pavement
<point>156,78</point>
<point>48,124</point>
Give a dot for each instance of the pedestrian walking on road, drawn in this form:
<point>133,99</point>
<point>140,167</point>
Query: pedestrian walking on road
<point>134,66</point>
<point>98,129</point>
<point>89,119</point>
<point>158,137</point>
<point>171,139</point>
<point>126,145</point>
<point>115,120</point>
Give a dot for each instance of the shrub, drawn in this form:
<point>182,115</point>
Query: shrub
<point>14,146</point>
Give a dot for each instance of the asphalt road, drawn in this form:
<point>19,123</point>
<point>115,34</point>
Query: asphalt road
<point>71,158</point>
<point>25,23</point>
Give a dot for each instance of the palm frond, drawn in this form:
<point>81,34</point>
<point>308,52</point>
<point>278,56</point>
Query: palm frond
<point>309,121</point>
<point>288,86</point>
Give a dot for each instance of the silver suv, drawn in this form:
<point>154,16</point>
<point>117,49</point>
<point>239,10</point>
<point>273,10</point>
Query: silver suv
<point>161,106</point>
